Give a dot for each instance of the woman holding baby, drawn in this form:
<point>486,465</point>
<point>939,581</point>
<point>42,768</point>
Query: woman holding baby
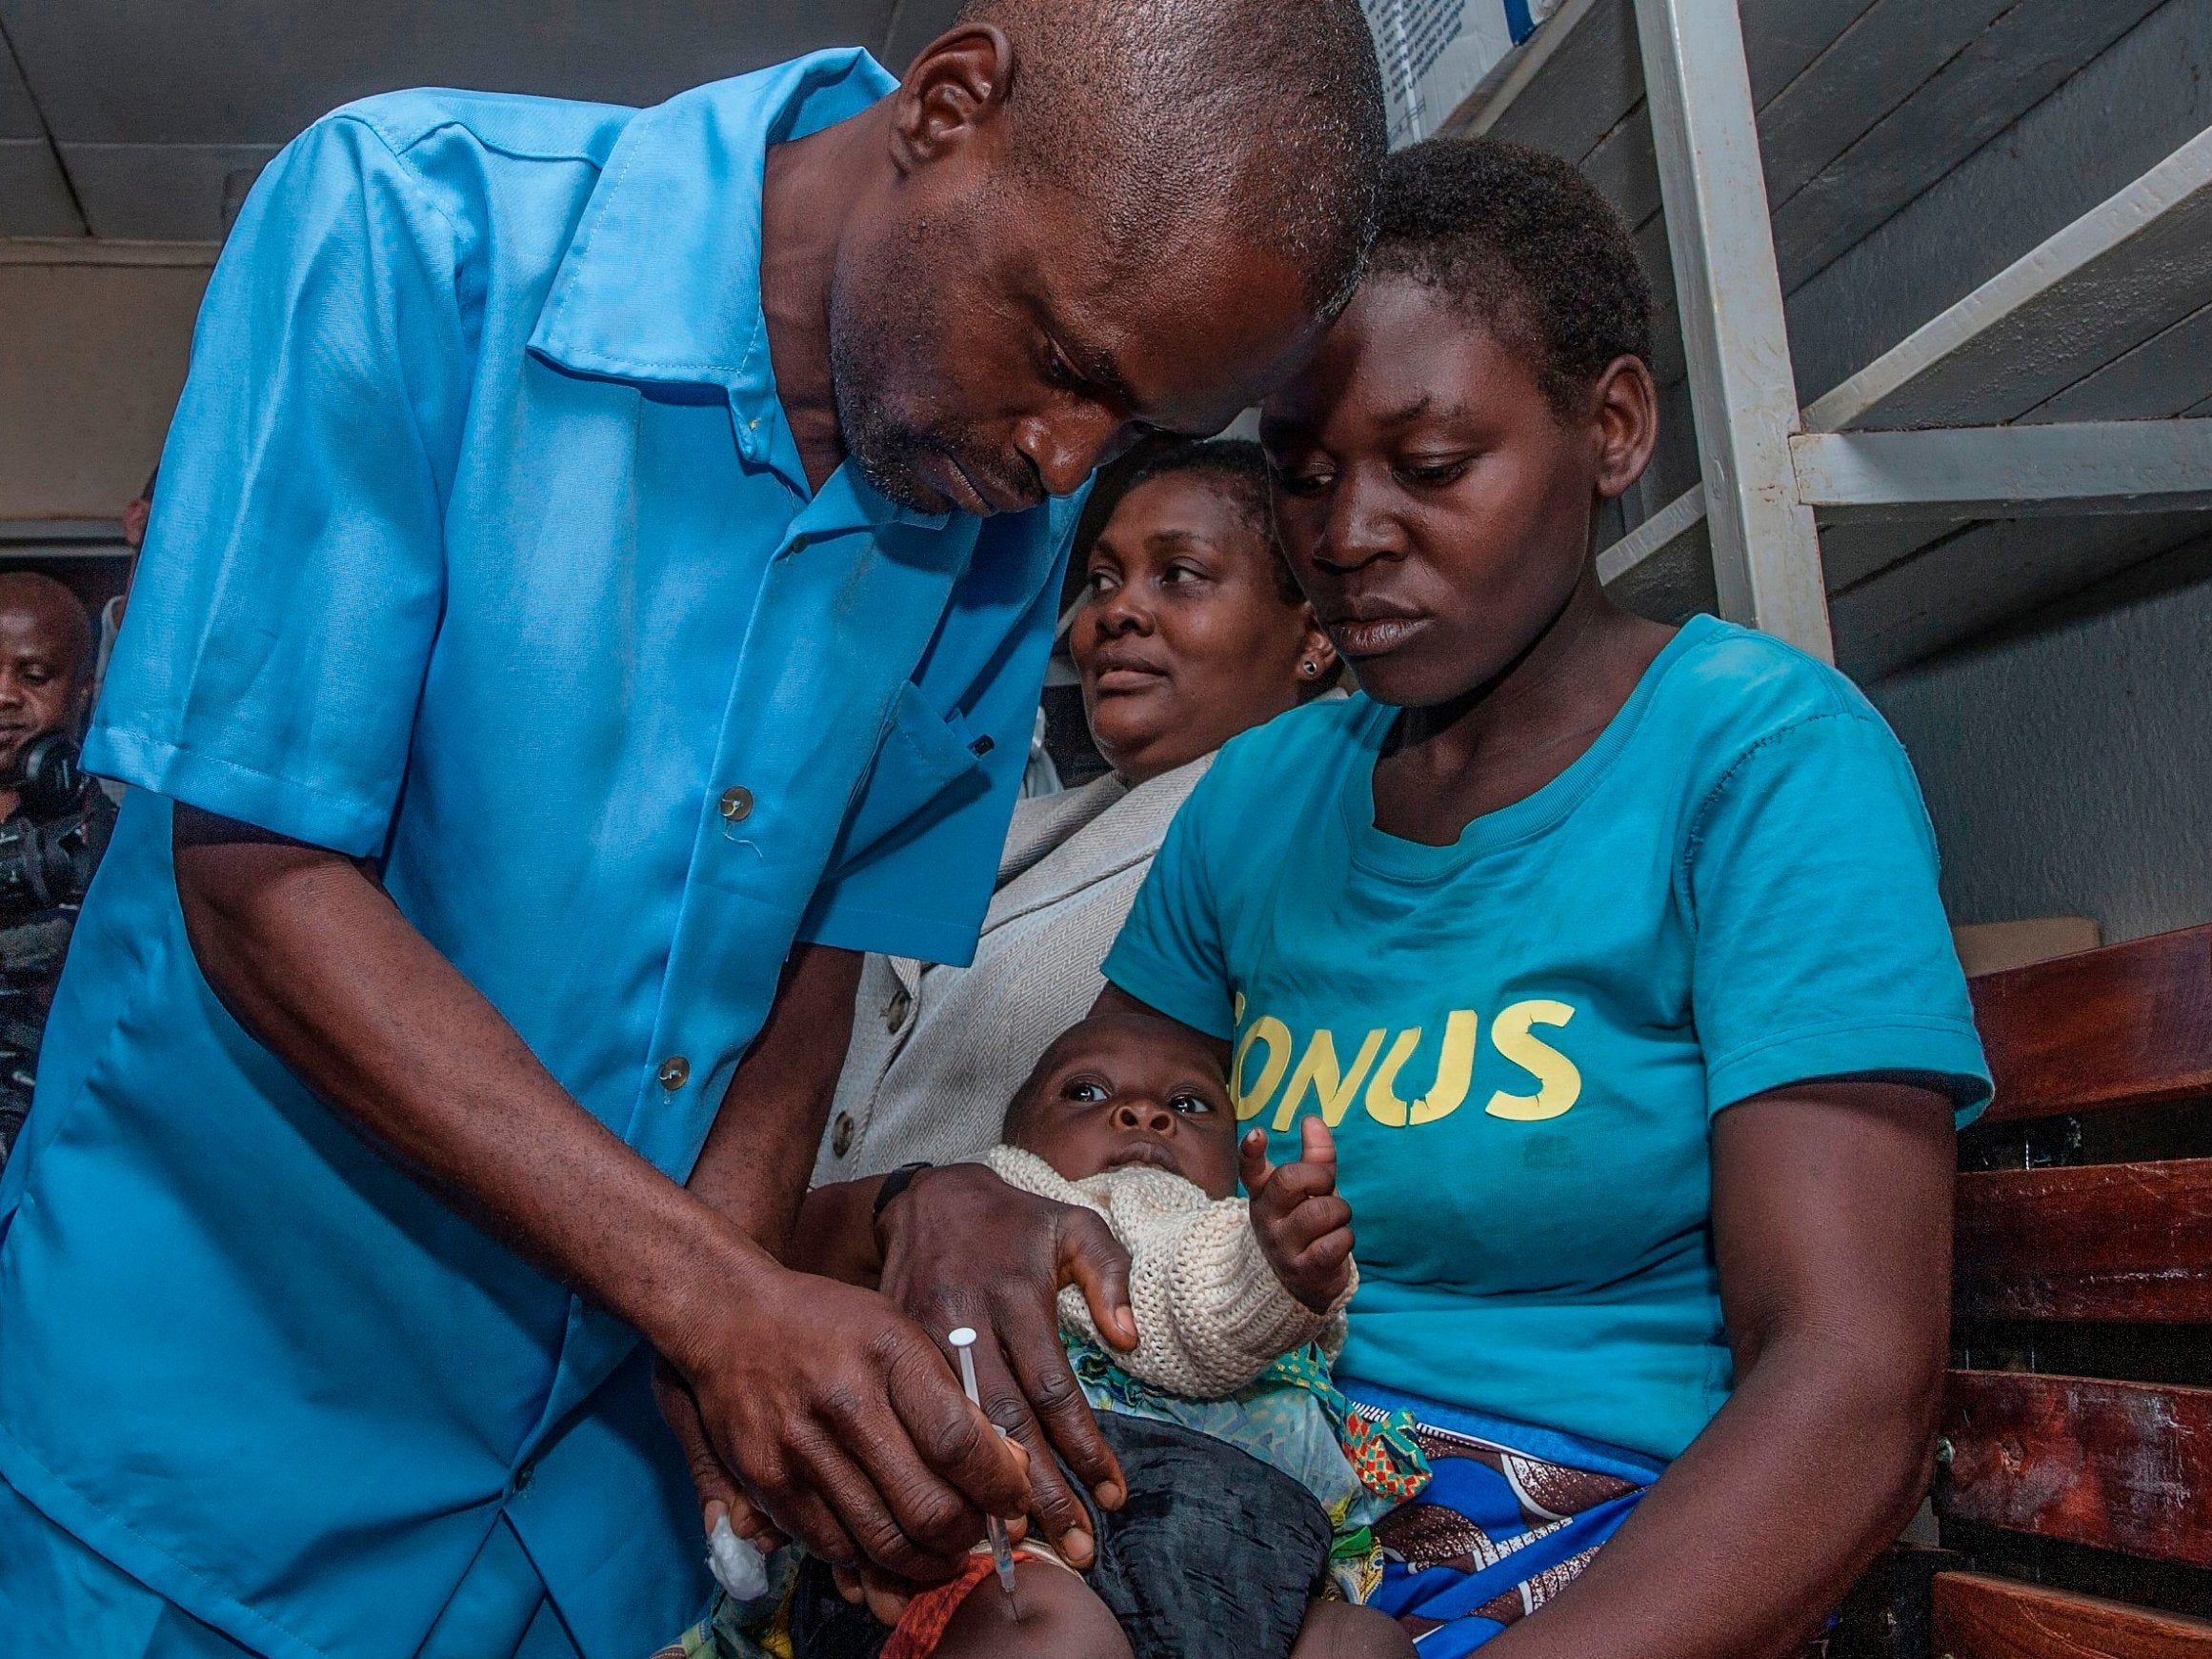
<point>1597,966</point>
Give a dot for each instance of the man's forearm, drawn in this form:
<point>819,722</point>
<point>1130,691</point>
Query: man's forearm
<point>313,960</point>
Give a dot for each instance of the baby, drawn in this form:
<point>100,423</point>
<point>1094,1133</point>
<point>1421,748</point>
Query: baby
<point>1249,1483</point>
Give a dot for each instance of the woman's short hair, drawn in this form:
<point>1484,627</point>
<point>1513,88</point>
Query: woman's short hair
<point>1524,245</point>
<point>1238,468</point>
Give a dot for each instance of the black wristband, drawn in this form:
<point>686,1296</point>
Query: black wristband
<point>894,1183</point>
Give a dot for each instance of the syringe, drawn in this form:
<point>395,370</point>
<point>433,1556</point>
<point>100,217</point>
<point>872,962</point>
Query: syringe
<point>963,1341</point>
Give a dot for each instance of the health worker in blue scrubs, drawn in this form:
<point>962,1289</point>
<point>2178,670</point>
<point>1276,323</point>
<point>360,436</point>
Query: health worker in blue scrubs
<point>601,583</point>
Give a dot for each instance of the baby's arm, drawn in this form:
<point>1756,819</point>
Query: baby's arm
<point>1212,1310</point>
<point>1241,1284</point>
<point>1304,1228</point>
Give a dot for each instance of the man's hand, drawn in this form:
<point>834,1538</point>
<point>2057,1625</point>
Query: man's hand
<point>843,1424</point>
<point>719,1494</point>
<point>1304,1228</point>
<point>960,1247</point>
<point>839,1416</point>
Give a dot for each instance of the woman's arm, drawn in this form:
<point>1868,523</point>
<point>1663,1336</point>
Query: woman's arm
<point>835,1234</point>
<point>1832,1225</point>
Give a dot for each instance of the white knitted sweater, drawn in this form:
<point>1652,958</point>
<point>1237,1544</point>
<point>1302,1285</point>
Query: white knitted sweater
<point>1211,1314</point>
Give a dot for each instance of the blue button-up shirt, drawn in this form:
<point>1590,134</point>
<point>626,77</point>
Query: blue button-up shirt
<point>483,548</point>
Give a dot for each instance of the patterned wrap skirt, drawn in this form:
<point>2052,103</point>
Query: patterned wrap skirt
<point>1510,1516</point>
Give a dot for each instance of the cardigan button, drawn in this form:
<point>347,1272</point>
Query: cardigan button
<point>896,1010</point>
<point>841,1134</point>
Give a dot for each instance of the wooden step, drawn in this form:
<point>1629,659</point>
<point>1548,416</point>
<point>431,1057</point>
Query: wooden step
<point>1978,1617</point>
<point>2127,1025</point>
<point>2091,1242</point>
<point>2116,1465</point>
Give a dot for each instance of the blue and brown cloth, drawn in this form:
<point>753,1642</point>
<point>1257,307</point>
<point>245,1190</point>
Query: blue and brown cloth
<point>1510,1516</point>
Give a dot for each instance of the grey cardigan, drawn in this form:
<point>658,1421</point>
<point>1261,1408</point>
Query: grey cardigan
<point>938,1052</point>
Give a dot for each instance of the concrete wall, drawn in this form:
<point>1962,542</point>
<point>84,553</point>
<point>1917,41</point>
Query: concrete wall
<point>92,358</point>
<point>2067,759</point>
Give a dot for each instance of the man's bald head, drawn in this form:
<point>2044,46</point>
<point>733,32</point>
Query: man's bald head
<point>45,611</point>
<point>46,664</point>
<point>1265,115</point>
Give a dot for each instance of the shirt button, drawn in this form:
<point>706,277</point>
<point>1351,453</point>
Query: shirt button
<point>895,1009</point>
<point>675,1071</point>
<point>523,1476</point>
<point>736,804</point>
<point>841,1134</point>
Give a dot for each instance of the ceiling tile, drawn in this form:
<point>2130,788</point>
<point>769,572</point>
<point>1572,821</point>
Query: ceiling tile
<point>34,201</point>
<point>18,114</point>
<point>255,71</point>
<point>163,192</point>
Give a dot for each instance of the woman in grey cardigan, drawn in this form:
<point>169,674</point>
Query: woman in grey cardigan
<point>1190,631</point>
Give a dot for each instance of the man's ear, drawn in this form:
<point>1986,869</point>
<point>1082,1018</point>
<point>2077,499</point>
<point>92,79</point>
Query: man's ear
<point>1625,406</point>
<point>957,85</point>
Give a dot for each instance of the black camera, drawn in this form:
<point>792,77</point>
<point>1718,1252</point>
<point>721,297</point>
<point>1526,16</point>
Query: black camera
<point>51,847</point>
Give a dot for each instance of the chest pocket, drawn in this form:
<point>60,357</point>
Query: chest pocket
<point>925,767</point>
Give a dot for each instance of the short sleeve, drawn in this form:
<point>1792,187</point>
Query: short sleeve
<point>282,617</point>
<point>1169,954</point>
<point>912,873</point>
<point>1823,950</point>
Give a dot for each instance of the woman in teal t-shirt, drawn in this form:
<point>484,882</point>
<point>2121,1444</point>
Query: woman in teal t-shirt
<point>1611,955</point>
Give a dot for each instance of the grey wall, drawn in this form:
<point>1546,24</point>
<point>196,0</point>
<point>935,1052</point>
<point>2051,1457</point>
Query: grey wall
<point>92,354</point>
<point>2067,761</point>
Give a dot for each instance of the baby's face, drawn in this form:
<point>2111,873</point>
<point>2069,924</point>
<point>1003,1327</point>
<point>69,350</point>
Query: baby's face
<point>1123,1089</point>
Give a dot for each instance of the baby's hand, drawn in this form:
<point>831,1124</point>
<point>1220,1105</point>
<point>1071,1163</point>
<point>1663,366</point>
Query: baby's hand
<point>1304,1228</point>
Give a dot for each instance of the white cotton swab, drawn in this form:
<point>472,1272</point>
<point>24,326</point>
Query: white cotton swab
<point>963,1341</point>
<point>740,1569</point>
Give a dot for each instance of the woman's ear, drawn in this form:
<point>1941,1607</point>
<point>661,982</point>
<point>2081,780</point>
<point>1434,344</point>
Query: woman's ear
<point>957,85</point>
<point>1627,408</point>
<point>1317,665</point>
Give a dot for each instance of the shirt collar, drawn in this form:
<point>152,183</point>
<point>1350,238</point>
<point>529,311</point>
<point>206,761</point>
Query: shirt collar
<point>661,281</point>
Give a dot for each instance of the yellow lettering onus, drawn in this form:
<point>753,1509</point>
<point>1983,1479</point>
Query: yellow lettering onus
<point>1454,1070</point>
<point>1559,1083</point>
<point>1267,1029</point>
<point>1333,1088</point>
<point>1383,1103</point>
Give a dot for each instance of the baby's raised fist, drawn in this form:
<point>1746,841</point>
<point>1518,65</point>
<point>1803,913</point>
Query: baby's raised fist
<point>1304,1228</point>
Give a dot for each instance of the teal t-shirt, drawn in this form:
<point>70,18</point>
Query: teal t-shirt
<point>1521,1040</point>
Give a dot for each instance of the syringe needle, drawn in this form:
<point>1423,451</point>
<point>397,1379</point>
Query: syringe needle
<point>963,1341</point>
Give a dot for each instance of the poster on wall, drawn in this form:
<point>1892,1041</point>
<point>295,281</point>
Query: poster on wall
<point>1437,51</point>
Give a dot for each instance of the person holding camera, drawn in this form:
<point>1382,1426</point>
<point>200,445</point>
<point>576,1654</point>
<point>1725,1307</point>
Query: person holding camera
<point>52,828</point>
